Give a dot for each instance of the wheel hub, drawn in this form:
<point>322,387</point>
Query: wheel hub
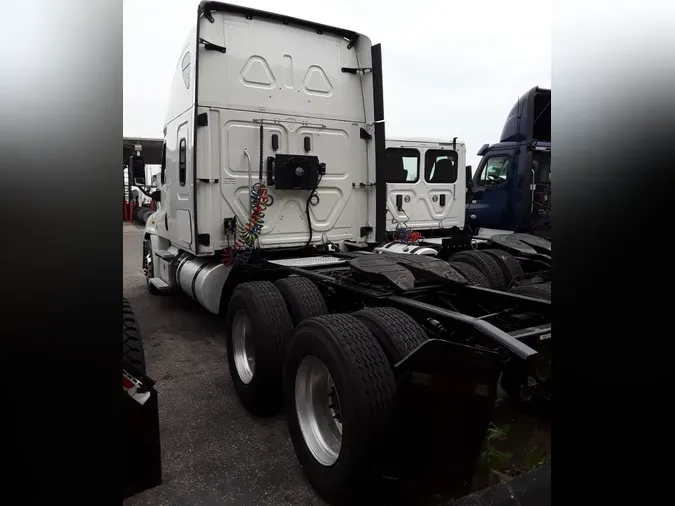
<point>334,404</point>
<point>242,347</point>
<point>317,406</point>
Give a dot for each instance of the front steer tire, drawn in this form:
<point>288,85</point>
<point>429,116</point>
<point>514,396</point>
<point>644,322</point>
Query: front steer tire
<point>269,330</point>
<point>148,267</point>
<point>365,387</point>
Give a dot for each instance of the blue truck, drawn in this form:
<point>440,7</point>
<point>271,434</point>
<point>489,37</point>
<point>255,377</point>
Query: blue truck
<point>511,188</point>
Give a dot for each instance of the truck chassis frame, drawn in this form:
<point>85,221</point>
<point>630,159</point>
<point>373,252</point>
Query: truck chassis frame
<point>475,335</point>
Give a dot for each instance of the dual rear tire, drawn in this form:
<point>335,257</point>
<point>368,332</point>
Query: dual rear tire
<point>259,326</point>
<point>497,267</point>
<point>338,393</point>
<point>331,373</point>
<point>538,291</point>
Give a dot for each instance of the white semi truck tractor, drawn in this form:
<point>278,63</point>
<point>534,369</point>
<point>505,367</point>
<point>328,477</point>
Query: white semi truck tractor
<point>273,201</point>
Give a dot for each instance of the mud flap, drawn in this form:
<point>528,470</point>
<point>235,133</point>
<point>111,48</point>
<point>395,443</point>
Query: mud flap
<point>528,489</point>
<point>446,394</point>
<point>141,453</point>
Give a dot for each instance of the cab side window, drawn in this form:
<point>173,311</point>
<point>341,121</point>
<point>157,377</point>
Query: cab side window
<point>495,172</point>
<point>403,165</point>
<point>440,166</point>
<point>185,65</point>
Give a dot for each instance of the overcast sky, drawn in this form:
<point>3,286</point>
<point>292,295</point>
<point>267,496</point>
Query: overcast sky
<point>451,67</point>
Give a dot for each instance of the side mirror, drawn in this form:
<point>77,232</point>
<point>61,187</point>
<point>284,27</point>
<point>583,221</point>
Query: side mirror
<point>483,149</point>
<point>137,169</point>
<point>469,177</point>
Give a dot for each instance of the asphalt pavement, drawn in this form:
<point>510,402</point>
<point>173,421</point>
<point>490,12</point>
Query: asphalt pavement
<point>213,451</point>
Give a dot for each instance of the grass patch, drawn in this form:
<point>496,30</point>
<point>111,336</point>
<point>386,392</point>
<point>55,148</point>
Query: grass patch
<point>516,443</point>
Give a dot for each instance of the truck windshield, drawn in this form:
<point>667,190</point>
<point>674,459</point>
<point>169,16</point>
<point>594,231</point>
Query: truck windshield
<point>495,171</point>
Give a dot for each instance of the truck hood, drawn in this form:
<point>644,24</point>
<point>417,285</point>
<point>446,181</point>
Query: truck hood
<point>530,118</point>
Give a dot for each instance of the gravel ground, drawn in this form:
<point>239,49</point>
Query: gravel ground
<point>213,451</point>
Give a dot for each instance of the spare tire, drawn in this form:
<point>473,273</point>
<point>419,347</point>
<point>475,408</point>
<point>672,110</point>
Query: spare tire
<point>540,291</point>
<point>473,275</point>
<point>487,265</point>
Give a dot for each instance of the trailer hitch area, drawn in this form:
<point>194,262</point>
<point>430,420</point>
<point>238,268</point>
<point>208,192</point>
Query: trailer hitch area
<point>524,244</point>
<point>377,268</point>
<point>429,269</point>
<point>401,271</point>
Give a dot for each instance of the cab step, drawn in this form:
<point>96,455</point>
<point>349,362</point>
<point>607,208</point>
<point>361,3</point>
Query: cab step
<point>165,254</point>
<point>160,285</point>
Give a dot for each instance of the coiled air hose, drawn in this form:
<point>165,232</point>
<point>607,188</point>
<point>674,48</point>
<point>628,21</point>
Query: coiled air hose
<point>249,232</point>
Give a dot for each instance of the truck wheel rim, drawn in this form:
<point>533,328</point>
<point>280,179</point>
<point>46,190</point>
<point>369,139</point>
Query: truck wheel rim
<point>242,346</point>
<point>318,409</point>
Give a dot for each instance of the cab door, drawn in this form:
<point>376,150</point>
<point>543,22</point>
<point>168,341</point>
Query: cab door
<point>491,189</point>
<point>444,192</point>
<point>181,188</point>
<point>403,175</point>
